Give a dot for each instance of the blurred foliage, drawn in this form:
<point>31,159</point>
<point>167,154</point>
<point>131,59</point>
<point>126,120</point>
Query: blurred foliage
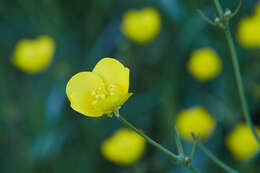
<point>39,132</point>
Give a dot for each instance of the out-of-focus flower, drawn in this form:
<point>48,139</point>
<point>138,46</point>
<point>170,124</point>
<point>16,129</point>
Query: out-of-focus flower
<point>248,33</point>
<point>124,148</point>
<point>101,91</point>
<point>196,120</point>
<point>34,56</point>
<point>141,26</point>
<point>241,142</point>
<point>204,64</point>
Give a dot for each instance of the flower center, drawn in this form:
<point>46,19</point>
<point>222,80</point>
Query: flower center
<point>102,92</point>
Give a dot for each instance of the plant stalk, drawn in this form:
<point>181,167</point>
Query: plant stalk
<point>215,159</point>
<point>157,145</point>
<point>237,71</point>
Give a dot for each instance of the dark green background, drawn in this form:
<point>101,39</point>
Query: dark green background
<point>39,132</point>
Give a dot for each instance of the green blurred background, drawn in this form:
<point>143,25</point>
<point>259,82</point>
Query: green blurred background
<point>39,132</point>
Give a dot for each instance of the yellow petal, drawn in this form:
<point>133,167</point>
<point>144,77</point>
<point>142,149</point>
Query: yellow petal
<point>81,93</point>
<point>113,72</point>
<point>112,103</point>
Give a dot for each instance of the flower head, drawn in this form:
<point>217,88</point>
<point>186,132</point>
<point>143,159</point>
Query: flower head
<point>34,56</point>
<point>196,120</point>
<point>204,64</point>
<point>141,26</point>
<point>124,148</point>
<point>241,142</point>
<point>248,30</point>
<point>101,91</point>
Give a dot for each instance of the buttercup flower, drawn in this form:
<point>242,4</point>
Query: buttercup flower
<point>34,56</point>
<point>248,30</point>
<point>124,148</point>
<point>196,120</point>
<point>101,91</point>
<point>241,142</point>
<point>204,64</point>
<point>141,26</point>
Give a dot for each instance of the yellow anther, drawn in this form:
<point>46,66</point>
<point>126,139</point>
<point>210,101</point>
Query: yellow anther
<point>93,93</point>
<point>94,102</point>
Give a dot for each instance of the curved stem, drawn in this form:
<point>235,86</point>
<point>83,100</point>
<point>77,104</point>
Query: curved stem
<point>194,170</point>
<point>237,72</point>
<point>219,8</point>
<point>240,83</point>
<point>215,159</point>
<point>151,141</point>
<point>157,145</point>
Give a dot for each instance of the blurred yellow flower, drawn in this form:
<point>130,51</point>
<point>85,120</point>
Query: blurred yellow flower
<point>204,64</point>
<point>141,26</point>
<point>124,148</point>
<point>101,91</point>
<point>196,120</point>
<point>34,56</point>
<point>242,143</point>
<point>248,33</point>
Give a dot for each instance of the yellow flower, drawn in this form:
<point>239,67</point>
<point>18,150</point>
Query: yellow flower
<point>141,26</point>
<point>248,30</point>
<point>34,56</point>
<point>242,143</point>
<point>101,91</point>
<point>196,120</point>
<point>204,64</point>
<point>124,148</point>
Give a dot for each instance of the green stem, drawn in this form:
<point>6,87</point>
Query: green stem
<point>194,170</point>
<point>237,72</point>
<point>215,159</point>
<point>157,145</point>
<point>151,141</point>
<point>219,8</point>
<point>240,83</point>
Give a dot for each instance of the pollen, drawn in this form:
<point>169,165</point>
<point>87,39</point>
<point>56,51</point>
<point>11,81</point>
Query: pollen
<point>93,93</point>
<point>99,94</point>
<point>94,102</point>
<point>112,87</point>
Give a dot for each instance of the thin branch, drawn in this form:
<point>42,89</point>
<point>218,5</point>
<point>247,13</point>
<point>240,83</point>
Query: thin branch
<point>178,143</point>
<point>175,157</point>
<point>237,72</point>
<point>206,18</point>
<point>213,157</point>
